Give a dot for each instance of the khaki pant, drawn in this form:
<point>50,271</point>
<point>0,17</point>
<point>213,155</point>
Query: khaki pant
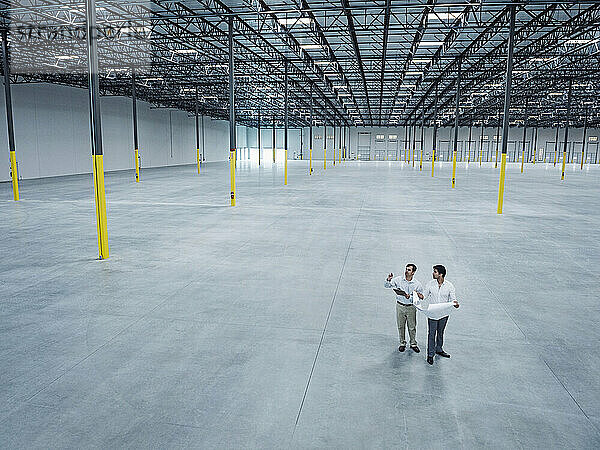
<point>406,314</point>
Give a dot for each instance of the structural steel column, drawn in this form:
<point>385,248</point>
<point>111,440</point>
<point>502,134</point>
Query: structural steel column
<point>524,134</point>
<point>422,138</point>
<point>469,143</point>
<point>285,122</point>
<point>135,128</point>
<point>340,145</point>
<point>556,142</point>
<point>535,144</point>
<point>232,134</point>
<point>564,161</point>
<point>411,155</point>
<point>197,130</point>
<point>325,146</point>
<point>9,118</point>
<point>497,144</point>
<point>509,63</point>
<point>407,155</point>
<point>455,143</point>
<point>584,138</point>
<point>481,143</point>
<point>258,138</point>
<point>434,143</point>
<point>96,128</point>
<point>310,134</point>
<point>334,144</point>
<point>274,136</point>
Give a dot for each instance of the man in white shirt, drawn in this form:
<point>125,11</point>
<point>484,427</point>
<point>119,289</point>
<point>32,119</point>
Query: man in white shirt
<point>438,290</point>
<point>406,313</point>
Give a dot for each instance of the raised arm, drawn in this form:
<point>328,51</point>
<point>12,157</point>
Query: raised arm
<point>388,281</point>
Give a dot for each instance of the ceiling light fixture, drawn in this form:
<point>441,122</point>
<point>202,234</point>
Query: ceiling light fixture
<point>310,46</point>
<point>294,21</point>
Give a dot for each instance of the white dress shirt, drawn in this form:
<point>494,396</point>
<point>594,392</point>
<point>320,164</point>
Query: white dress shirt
<point>406,286</point>
<point>436,293</point>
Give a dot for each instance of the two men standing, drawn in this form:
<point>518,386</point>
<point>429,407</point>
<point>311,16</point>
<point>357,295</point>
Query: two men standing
<point>437,290</point>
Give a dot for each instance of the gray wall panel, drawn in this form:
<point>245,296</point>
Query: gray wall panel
<point>52,133</point>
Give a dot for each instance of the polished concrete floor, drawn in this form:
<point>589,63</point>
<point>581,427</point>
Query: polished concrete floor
<point>267,325</point>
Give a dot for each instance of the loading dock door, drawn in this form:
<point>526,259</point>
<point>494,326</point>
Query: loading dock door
<point>392,149</point>
<point>380,147</point>
<point>364,146</point>
<point>591,152</point>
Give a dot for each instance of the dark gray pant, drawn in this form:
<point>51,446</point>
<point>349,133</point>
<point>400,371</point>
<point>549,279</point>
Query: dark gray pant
<point>435,335</point>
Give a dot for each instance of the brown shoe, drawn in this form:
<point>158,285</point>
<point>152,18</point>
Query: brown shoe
<point>402,348</point>
<point>415,349</point>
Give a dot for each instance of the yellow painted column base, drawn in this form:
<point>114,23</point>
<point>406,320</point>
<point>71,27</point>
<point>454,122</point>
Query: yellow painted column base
<point>522,160</point>
<point>15,175</point>
<point>232,156</point>
<point>501,188</point>
<point>325,159</point>
<point>564,161</point>
<point>582,156</point>
<point>421,161</point>
<point>453,169</point>
<point>310,163</point>
<point>285,169</point>
<point>100,201</point>
<point>198,159</point>
<point>137,165</point>
<point>533,156</point>
<point>432,162</point>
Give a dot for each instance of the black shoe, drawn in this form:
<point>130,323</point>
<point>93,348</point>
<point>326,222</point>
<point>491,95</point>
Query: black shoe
<point>415,349</point>
<point>402,348</point>
<point>443,354</point>
<point>430,360</point>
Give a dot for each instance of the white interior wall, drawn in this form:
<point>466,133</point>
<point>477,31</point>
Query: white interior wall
<point>546,138</point>
<point>52,133</point>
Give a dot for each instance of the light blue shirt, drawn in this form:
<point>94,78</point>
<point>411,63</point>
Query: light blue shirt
<point>406,286</point>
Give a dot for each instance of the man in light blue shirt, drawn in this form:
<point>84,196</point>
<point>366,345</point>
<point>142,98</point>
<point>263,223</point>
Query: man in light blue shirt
<point>406,313</point>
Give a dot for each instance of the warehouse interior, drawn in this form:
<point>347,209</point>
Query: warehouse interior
<point>200,202</point>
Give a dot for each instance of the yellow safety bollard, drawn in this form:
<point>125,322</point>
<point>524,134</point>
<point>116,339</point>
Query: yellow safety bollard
<point>421,161</point>
<point>582,156</point>
<point>533,155</point>
<point>496,163</point>
<point>453,169</point>
<point>432,161</point>
<point>325,159</point>
<point>198,159</point>
<point>101,221</point>
<point>137,166</point>
<point>285,169</point>
<point>480,157</point>
<point>15,178</point>
<point>501,188</point>
<point>562,177</point>
<point>232,156</point>
<point>310,164</point>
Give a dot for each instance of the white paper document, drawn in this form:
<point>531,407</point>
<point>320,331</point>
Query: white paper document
<point>435,310</point>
